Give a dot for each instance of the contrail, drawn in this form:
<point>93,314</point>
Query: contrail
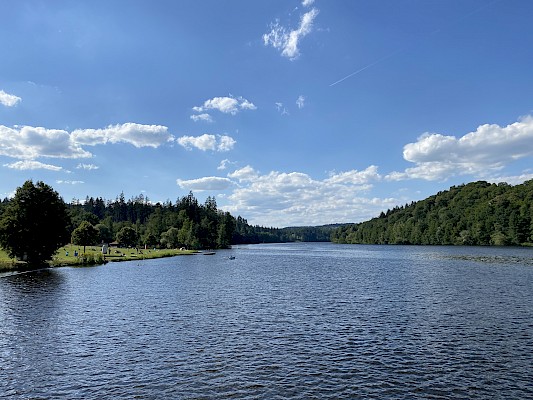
<point>457,20</point>
<point>367,66</point>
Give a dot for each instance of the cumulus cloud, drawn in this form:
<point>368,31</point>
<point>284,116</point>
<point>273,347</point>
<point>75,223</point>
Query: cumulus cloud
<point>244,174</point>
<point>32,142</point>
<point>9,100</point>
<point>225,143</point>
<point>29,143</point>
<point>300,102</point>
<point>489,148</point>
<point>31,165</point>
<point>295,198</point>
<point>355,177</point>
<point>135,134</point>
<point>208,142</point>
<point>202,117</point>
<point>206,183</point>
<point>307,3</point>
<point>227,105</point>
<point>286,40</point>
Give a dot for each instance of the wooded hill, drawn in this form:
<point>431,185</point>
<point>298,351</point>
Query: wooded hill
<point>478,213</point>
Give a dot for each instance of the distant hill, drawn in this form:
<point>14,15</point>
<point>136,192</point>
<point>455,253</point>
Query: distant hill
<point>479,213</point>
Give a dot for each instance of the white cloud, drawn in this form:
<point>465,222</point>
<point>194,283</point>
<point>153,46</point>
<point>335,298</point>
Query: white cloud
<point>202,117</point>
<point>204,142</point>
<point>32,142</point>
<point>225,143</point>
<point>307,3</point>
<point>207,142</point>
<point>281,109</point>
<point>207,183</point>
<point>29,142</point>
<point>88,167</point>
<point>9,100</point>
<point>294,198</point>
<point>512,180</point>
<point>300,102</point>
<point>244,174</point>
<point>489,148</point>
<point>355,177</point>
<point>225,163</point>
<point>31,165</point>
<point>227,105</point>
<point>136,134</point>
<point>287,41</point>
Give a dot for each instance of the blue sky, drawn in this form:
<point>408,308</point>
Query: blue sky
<point>288,112</point>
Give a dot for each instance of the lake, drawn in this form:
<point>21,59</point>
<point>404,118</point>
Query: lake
<point>281,321</point>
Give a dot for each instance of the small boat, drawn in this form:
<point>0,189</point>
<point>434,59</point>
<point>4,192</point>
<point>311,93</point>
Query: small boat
<point>231,257</point>
<point>208,253</point>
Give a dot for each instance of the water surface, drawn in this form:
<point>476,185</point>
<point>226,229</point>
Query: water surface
<point>283,321</point>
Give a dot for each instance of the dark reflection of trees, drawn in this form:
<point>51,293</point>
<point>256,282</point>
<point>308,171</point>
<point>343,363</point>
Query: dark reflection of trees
<point>29,282</point>
<point>31,314</point>
<point>35,292</point>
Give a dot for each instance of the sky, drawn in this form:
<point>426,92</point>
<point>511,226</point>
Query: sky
<point>289,113</point>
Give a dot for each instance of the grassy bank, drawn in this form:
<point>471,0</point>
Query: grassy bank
<point>72,255</point>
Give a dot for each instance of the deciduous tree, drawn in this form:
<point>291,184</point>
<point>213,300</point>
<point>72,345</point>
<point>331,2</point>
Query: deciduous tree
<point>85,235</point>
<point>34,224</point>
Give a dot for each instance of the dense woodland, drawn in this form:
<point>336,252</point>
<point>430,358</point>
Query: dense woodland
<point>185,223</point>
<point>478,213</point>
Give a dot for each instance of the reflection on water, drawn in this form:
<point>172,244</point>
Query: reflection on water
<point>278,321</point>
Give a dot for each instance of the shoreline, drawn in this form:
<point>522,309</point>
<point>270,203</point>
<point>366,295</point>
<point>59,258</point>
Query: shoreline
<point>71,256</point>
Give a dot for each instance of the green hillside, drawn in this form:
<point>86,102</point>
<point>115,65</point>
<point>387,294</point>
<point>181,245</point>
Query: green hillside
<point>478,213</point>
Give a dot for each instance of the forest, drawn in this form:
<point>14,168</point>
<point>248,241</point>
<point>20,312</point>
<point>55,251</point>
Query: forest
<point>477,213</point>
<point>137,222</point>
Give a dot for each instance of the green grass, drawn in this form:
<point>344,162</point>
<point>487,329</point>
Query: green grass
<point>93,256</point>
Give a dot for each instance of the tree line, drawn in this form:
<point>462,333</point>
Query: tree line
<point>37,217</point>
<point>184,223</point>
<point>478,213</point>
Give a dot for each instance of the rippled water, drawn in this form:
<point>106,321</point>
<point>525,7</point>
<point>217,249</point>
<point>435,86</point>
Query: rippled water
<point>296,321</point>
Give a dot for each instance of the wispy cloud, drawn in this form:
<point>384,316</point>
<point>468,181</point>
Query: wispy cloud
<point>307,3</point>
<point>287,40</point>
<point>202,117</point>
<point>207,142</point>
<point>88,167</point>
<point>9,100</point>
<point>486,150</point>
<point>31,165</point>
<point>224,164</point>
<point>300,102</point>
<point>61,182</point>
<point>227,105</point>
<point>281,108</point>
